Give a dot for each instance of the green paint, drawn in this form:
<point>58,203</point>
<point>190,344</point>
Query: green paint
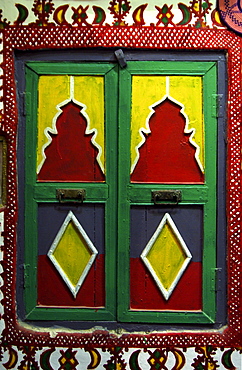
<point>23,13</point>
<point>99,14</point>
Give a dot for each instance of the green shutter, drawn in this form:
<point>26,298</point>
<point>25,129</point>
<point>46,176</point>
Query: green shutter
<point>140,194</point>
<point>118,194</point>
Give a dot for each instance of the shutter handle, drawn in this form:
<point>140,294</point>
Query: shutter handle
<point>70,195</point>
<point>166,197</point>
<point>121,58</point>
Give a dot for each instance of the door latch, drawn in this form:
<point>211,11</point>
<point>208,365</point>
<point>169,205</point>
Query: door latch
<point>166,197</point>
<point>70,195</point>
<point>121,58</point>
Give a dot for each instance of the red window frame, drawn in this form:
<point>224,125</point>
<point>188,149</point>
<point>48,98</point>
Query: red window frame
<point>20,38</point>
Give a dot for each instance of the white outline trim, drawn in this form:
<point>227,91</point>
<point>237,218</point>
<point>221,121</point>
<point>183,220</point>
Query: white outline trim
<point>166,219</point>
<point>71,217</point>
<point>143,131</point>
<point>54,131</point>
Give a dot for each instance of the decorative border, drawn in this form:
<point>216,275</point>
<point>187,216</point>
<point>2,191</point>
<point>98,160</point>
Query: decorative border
<point>26,357</point>
<point>36,38</point>
<point>197,14</point>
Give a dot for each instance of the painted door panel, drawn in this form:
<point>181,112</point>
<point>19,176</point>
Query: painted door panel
<point>52,289</point>
<point>167,159</point>
<point>72,241</point>
<point>71,128</point>
<point>171,107</point>
<point>144,292</point>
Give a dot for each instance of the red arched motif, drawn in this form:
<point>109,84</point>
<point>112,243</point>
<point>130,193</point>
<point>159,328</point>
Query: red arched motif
<point>71,156</point>
<point>167,154</point>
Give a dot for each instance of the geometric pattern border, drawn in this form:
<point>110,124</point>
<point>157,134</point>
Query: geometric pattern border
<point>161,358</point>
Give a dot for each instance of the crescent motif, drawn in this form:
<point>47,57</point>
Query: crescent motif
<point>45,359</point>
<point>227,361</point>
<point>95,358</point>
<point>180,359</point>
<point>23,14</point>
<point>100,15</point>
<point>133,361</point>
<point>138,16</point>
<point>59,15</point>
<point>186,13</point>
<point>216,18</point>
<point>13,358</point>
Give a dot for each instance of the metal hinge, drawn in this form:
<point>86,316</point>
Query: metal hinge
<point>217,105</point>
<point>216,279</point>
<point>28,271</point>
<point>22,108</point>
<point>26,275</point>
<point>25,98</point>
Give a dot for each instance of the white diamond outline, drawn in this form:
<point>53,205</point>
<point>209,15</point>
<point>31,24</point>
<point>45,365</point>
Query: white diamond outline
<point>71,217</point>
<point>166,219</point>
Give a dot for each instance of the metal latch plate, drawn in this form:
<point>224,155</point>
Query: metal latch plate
<point>166,197</point>
<point>70,195</point>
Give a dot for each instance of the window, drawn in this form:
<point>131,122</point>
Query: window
<point>139,211</point>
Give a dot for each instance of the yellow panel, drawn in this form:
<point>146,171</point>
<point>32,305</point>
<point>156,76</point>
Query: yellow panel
<point>89,90</point>
<point>72,253</point>
<point>146,90</point>
<point>188,91</point>
<point>166,256</point>
<point>52,91</point>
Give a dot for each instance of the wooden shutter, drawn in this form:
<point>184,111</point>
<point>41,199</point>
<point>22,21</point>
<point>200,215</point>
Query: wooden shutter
<point>70,191</point>
<point>167,192</point>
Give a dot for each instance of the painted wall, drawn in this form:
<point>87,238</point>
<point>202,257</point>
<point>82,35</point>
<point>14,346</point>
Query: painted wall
<point>10,12</point>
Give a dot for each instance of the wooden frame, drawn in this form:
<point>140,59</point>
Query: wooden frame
<point>40,192</point>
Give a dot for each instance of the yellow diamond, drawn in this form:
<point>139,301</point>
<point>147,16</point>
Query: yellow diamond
<point>72,253</point>
<point>166,256</point>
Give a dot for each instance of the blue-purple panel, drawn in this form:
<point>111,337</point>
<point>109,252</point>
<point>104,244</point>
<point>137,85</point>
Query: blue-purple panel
<point>144,293</point>
<point>52,290</point>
